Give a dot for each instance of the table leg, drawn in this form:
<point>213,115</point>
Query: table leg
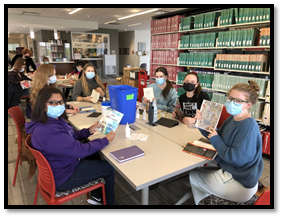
<point>145,196</point>
<point>185,197</point>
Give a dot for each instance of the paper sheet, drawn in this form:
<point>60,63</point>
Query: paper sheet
<point>204,145</point>
<point>138,136</point>
<point>148,93</point>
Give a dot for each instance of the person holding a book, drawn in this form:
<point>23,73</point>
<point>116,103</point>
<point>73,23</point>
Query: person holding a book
<point>191,100</point>
<point>73,162</point>
<point>165,94</point>
<point>88,82</point>
<point>26,55</point>
<point>239,146</point>
<point>18,83</point>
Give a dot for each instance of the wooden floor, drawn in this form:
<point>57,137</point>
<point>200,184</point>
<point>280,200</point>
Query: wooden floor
<point>167,193</point>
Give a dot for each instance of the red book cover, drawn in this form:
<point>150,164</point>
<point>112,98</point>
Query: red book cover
<point>168,27</point>
<point>164,25</point>
<point>152,26</point>
<point>266,142</point>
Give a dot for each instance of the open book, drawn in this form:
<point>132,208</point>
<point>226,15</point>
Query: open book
<point>95,96</point>
<point>110,120</point>
<point>25,85</point>
<point>210,112</point>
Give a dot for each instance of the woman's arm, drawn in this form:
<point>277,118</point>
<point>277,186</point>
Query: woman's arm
<point>171,102</point>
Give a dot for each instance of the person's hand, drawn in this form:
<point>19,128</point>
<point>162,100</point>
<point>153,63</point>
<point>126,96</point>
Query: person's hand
<point>88,98</point>
<point>212,132</point>
<point>73,109</point>
<point>95,127</point>
<point>173,114</point>
<point>23,81</point>
<point>110,136</point>
<point>71,82</point>
<point>99,90</point>
<point>198,115</point>
<point>145,100</point>
<point>70,111</point>
<point>189,120</point>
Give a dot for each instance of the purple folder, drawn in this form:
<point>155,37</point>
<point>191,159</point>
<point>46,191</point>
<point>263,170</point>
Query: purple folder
<point>126,154</point>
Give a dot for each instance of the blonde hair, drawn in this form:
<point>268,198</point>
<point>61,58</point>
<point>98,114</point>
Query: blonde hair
<point>250,90</point>
<point>43,72</point>
<point>84,80</point>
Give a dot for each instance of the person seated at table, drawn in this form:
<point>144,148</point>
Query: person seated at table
<point>73,163</point>
<point>78,71</point>
<point>165,94</point>
<point>16,79</point>
<point>239,146</point>
<point>89,80</point>
<point>45,60</point>
<point>192,99</point>
<point>45,76</point>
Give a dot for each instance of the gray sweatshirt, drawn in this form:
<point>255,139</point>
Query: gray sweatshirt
<point>78,89</point>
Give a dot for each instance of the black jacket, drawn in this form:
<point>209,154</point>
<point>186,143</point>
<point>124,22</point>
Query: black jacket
<point>29,62</point>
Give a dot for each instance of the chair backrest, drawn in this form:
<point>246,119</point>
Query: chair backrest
<point>264,199</point>
<point>46,179</point>
<point>224,115</point>
<point>19,119</point>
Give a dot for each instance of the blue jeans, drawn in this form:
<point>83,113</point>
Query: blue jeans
<point>89,169</point>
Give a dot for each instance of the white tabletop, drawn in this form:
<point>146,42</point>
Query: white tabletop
<point>163,157</point>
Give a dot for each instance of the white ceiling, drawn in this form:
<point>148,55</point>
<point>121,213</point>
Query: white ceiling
<point>34,17</point>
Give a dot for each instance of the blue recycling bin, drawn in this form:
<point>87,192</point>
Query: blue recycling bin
<point>123,99</point>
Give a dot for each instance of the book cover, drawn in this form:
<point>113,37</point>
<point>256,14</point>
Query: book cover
<point>126,154</point>
<point>210,112</point>
<point>110,120</point>
<point>25,85</point>
<point>201,150</point>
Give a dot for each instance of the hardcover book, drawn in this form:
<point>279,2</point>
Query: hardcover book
<point>210,112</point>
<point>126,154</point>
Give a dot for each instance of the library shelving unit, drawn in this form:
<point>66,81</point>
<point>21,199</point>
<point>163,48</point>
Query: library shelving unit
<point>165,25</point>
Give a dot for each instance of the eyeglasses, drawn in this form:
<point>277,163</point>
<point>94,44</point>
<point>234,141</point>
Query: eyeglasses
<point>56,103</point>
<point>237,101</point>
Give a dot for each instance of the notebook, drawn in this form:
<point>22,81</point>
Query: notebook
<point>86,109</point>
<point>167,122</point>
<point>94,114</point>
<point>126,154</point>
<point>200,151</point>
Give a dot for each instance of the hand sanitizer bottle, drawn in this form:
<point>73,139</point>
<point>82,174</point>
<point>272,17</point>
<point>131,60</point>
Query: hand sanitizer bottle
<point>137,113</point>
<point>144,115</point>
<point>127,131</point>
<point>104,99</point>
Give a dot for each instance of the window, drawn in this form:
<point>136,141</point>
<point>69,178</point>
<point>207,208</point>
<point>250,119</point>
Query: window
<point>12,48</point>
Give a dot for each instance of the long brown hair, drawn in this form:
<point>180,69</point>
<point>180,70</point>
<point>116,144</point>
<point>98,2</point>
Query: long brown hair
<point>84,80</point>
<point>199,88</point>
<point>43,72</point>
<point>168,86</point>
<point>18,64</point>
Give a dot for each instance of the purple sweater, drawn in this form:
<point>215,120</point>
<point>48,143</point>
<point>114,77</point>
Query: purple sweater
<point>60,145</point>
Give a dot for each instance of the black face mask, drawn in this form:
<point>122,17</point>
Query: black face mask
<point>189,87</point>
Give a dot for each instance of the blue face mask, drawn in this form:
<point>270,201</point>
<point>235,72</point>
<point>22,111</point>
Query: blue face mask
<point>232,108</point>
<point>90,75</point>
<point>52,80</point>
<point>46,62</point>
<point>77,69</point>
<point>22,70</point>
<point>160,81</point>
<point>55,111</point>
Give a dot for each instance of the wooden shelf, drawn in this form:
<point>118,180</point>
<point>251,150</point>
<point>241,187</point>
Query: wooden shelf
<point>195,66</point>
<point>165,49</point>
<point>220,48</point>
<point>164,64</point>
<point>238,71</point>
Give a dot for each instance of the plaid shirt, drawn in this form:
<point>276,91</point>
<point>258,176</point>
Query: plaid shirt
<point>15,79</point>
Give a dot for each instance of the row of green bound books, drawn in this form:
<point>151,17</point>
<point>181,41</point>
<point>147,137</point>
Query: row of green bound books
<point>198,40</point>
<point>204,59</point>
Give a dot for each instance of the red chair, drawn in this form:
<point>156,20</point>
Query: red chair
<point>224,115</point>
<point>19,119</point>
<point>264,199</point>
<point>46,182</point>
<point>105,85</point>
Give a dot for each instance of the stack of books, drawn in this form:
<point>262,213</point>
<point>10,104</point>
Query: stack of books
<point>169,24</point>
<point>165,41</point>
<point>165,57</point>
<point>186,23</point>
<point>247,15</point>
<point>227,17</point>
<point>198,40</point>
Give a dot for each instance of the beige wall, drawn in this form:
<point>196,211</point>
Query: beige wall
<point>127,40</point>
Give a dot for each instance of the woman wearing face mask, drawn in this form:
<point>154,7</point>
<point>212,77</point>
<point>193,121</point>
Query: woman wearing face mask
<point>89,80</point>
<point>45,60</point>
<point>26,55</point>
<point>239,146</point>
<point>45,76</point>
<point>73,163</point>
<point>192,99</point>
<point>16,77</point>
<point>165,94</point>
